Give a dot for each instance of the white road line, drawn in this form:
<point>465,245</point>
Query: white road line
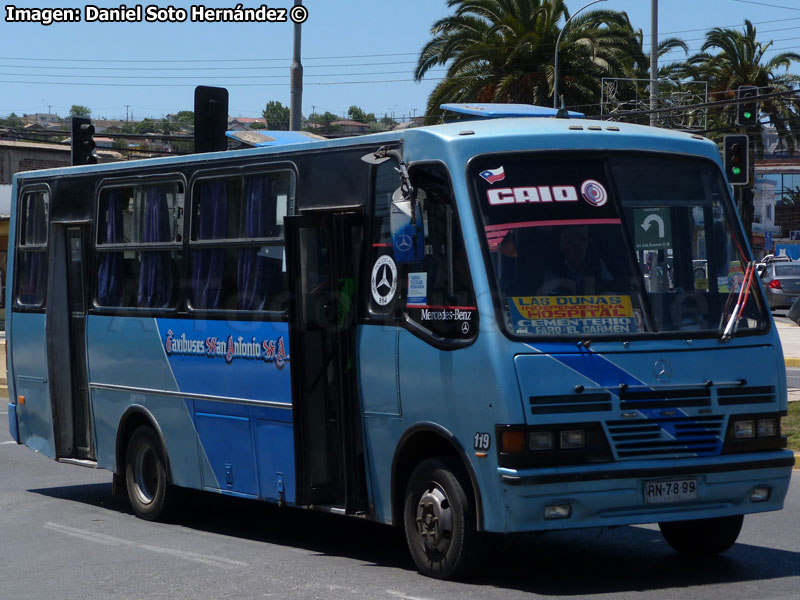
<point>405,596</point>
<point>99,538</point>
<point>10,442</point>
<point>90,536</point>
<point>206,559</point>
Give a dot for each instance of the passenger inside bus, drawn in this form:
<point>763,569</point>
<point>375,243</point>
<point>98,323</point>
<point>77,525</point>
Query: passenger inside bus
<point>576,270</point>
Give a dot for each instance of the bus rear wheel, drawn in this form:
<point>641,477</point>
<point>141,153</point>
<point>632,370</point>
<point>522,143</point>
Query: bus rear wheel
<point>146,476</point>
<point>702,537</point>
<point>439,520</point>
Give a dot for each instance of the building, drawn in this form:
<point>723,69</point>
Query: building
<point>354,127</point>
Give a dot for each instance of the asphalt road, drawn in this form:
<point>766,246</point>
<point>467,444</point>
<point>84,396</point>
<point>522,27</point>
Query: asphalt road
<point>63,535</point>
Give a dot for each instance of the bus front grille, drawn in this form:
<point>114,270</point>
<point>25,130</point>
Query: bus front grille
<point>764,394</point>
<point>570,403</point>
<point>667,437</point>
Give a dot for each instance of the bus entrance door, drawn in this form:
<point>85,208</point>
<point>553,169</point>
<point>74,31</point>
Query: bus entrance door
<point>324,257</point>
<point>66,341</point>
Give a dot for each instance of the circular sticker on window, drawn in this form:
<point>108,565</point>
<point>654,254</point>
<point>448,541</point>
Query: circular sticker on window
<point>384,280</point>
<point>594,193</point>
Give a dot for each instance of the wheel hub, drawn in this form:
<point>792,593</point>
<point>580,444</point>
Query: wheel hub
<point>435,519</point>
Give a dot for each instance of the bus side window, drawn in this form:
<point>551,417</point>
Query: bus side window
<point>31,275</point>
<point>138,242</point>
<point>237,242</point>
<point>440,299</point>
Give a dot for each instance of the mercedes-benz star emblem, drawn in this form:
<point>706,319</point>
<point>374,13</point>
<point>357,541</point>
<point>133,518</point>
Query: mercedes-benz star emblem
<point>662,369</point>
<point>403,243</point>
<point>384,280</point>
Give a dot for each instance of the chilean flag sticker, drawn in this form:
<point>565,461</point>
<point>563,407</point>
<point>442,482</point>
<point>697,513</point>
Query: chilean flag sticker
<point>492,175</point>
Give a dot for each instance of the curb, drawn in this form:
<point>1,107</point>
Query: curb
<point>792,362</point>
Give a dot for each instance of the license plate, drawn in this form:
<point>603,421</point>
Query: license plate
<point>666,492</point>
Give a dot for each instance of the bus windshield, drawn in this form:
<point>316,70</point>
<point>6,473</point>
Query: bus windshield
<point>589,244</point>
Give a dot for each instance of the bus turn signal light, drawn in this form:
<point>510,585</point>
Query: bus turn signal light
<point>20,399</point>
<point>512,441</point>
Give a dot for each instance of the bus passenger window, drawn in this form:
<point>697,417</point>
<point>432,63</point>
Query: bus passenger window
<point>138,240</point>
<point>237,242</point>
<point>32,249</point>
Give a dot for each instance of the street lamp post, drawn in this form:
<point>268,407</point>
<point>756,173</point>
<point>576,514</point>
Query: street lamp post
<point>558,41</point>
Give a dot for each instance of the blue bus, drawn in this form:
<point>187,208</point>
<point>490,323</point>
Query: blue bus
<point>512,323</point>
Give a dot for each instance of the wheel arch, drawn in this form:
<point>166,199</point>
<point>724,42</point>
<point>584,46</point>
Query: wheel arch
<point>428,440</point>
<point>131,419</point>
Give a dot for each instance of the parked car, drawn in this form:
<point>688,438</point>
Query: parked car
<point>781,283</point>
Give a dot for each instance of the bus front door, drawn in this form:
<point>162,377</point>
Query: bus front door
<point>323,259</point>
<point>66,341</point>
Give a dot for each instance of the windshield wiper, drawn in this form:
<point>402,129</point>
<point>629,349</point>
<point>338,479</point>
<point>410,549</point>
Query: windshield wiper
<point>741,302</point>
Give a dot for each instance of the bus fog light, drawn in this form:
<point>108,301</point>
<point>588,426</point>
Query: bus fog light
<point>760,494</point>
<point>572,439</point>
<point>744,429</point>
<point>767,427</point>
<point>557,511</point>
<point>540,440</point>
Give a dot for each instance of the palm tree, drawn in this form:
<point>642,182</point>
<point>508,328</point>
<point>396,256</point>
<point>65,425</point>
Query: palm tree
<point>633,94</point>
<point>503,51</point>
<point>741,60</point>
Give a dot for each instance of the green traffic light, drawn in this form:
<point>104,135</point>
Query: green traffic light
<point>736,170</point>
<point>747,114</point>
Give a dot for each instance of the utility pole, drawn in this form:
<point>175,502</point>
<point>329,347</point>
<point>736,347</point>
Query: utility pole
<point>653,62</point>
<point>127,106</point>
<point>296,75</point>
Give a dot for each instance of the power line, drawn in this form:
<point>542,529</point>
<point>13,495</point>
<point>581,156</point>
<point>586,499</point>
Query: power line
<point>765,4</point>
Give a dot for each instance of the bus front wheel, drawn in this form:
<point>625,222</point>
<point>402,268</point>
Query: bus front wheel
<point>146,475</point>
<point>702,537</point>
<point>439,520</point>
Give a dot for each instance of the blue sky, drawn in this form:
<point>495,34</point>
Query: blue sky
<point>354,52</point>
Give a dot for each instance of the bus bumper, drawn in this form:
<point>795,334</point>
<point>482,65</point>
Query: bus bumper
<point>614,493</point>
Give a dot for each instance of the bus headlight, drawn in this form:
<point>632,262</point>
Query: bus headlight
<point>540,440</point>
<point>767,427</point>
<point>573,438</point>
<point>550,445</point>
<point>744,429</point>
<point>754,433</point>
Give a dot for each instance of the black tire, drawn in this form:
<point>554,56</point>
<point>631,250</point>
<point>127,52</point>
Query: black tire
<point>146,477</point>
<point>702,537</point>
<point>439,520</point>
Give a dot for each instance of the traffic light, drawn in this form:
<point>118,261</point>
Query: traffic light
<point>83,142</point>
<point>747,112</point>
<point>735,157</point>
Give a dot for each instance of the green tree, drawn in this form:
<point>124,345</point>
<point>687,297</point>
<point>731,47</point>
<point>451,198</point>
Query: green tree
<point>503,51</point>
<point>356,113</point>
<point>12,120</point>
<point>276,115</point>
<point>147,126</point>
<point>185,118</point>
<point>634,93</point>
<point>78,110</point>
<point>741,60</point>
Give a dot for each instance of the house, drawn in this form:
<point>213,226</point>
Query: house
<point>346,126</point>
<point>245,123</point>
